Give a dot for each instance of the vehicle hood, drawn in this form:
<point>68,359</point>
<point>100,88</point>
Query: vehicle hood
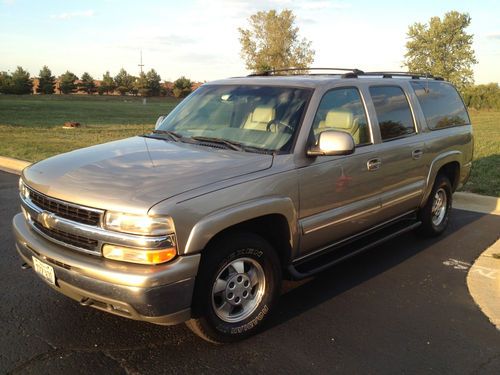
<point>135,173</point>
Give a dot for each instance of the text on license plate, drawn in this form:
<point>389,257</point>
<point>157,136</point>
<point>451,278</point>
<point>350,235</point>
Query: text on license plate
<point>44,270</point>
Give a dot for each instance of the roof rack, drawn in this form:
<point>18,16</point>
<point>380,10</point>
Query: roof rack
<point>413,75</point>
<point>350,73</point>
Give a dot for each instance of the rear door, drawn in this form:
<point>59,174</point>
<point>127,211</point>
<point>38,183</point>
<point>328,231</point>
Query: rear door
<point>400,157</point>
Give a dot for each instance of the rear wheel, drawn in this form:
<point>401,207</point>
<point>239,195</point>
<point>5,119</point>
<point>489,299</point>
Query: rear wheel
<point>436,212</point>
<point>238,282</point>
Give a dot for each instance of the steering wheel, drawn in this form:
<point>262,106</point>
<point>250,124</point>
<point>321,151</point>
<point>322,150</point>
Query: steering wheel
<point>278,124</point>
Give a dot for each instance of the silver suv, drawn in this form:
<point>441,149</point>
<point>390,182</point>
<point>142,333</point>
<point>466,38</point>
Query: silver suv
<point>246,181</point>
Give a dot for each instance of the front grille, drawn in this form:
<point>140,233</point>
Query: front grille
<point>71,239</point>
<point>65,210</point>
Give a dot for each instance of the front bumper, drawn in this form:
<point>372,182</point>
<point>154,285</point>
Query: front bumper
<point>158,294</point>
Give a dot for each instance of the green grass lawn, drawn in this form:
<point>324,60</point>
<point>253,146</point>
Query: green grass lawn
<point>54,110</point>
<point>30,129</point>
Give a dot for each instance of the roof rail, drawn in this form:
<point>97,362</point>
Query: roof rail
<point>413,75</point>
<point>349,73</point>
<point>271,72</point>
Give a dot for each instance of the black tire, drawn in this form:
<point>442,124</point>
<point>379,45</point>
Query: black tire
<point>433,222</point>
<point>210,319</point>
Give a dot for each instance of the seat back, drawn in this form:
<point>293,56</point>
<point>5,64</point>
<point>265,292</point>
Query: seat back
<point>341,120</point>
<point>259,118</point>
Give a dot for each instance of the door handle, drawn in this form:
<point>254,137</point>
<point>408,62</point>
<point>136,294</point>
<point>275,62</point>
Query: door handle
<point>417,154</point>
<point>373,164</point>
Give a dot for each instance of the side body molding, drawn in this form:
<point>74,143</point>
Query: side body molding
<point>210,225</point>
<point>436,164</point>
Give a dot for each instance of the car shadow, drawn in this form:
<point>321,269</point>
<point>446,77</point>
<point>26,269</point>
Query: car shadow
<point>301,296</point>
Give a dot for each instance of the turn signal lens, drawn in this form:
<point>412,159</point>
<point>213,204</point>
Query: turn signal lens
<point>127,254</point>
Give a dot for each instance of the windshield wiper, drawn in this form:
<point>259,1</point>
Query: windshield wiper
<point>173,135</point>
<point>229,144</point>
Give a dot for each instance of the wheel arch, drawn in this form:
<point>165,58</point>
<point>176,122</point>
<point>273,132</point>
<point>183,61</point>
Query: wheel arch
<point>274,219</point>
<point>448,164</point>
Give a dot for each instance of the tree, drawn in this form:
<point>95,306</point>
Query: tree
<point>21,82</point>
<point>67,83</point>
<point>273,42</point>
<point>141,85</point>
<point>46,81</point>
<point>108,84</point>
<point>154,84</point>
<point>87,83</point>
<point>442,48</point>
<point>182,87</point>
<point>124,82</point>
<point>5,83</point>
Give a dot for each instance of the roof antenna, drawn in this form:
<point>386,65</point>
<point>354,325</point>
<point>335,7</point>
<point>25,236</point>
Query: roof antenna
<point>141,64</point>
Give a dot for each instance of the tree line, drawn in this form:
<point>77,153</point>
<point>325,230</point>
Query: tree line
<point>441,47</point>
<point>146,84</point>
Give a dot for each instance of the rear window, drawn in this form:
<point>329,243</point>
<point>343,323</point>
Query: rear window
<point>441,104</point>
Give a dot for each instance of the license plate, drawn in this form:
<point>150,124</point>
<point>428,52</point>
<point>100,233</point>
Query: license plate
<point>45,271</point>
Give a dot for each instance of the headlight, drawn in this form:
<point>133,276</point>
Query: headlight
<point>138,224</point>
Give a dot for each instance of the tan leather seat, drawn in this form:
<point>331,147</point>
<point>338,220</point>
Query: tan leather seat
<point>259,118</point>
<point>341,120</point>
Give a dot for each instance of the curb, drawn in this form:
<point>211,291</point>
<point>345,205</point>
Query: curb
<point>483,281</point>
<point>12,165</point>
<point>477,203</point>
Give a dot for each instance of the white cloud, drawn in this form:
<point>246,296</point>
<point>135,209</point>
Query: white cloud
<point>320,5</point>
<point>493,36</point>
<point>69,15</point>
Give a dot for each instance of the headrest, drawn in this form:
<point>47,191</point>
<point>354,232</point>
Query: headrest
<point>338,119</point>
<point>263,114</point>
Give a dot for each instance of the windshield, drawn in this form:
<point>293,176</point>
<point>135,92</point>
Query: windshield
<point>255,116</point>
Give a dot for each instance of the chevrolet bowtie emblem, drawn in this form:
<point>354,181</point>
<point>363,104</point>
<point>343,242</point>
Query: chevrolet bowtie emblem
<point>46,219</point>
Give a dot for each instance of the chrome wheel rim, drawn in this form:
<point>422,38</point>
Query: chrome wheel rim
<point>439,206</point>
<point>238,290</point>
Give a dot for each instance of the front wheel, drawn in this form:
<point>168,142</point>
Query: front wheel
<point>238,283</point>
<point>435,214</point>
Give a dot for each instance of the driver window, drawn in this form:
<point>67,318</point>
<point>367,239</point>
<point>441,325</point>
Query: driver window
<point>341,109</point>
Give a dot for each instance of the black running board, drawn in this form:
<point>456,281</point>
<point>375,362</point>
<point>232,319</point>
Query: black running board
<point>339,253</point>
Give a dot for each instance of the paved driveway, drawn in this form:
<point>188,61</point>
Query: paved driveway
<point>401,308</point>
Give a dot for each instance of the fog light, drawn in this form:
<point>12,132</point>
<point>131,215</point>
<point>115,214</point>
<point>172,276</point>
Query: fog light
<point>127,254</point>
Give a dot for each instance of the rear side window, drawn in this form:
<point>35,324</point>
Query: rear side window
<point>393,112</point>
<point>441,104</point>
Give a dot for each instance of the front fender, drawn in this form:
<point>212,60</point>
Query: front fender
<point>203,231</point>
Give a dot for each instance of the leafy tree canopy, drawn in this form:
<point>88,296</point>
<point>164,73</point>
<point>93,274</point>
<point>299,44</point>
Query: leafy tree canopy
<point>20,82</point>
<point>182,87</point>
<point>67,83</point>
<point>443,48</point>
<point>108,83</point>
<point>272,42</point>
<point>87,83</point>
<point>46,81</point>
<point>124,82</point>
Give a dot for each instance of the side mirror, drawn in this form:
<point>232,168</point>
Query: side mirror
<point>332,142</point>
<point>159,121</point>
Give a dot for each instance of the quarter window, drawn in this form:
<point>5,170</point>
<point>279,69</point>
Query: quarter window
<point>341,109</point>
<point>393,112</point>
<point>441,104</point>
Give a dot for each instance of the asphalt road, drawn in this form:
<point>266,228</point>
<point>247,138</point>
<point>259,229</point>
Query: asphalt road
<point>401,308</point>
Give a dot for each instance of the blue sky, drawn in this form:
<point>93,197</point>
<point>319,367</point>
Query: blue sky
<point>199,38</point>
